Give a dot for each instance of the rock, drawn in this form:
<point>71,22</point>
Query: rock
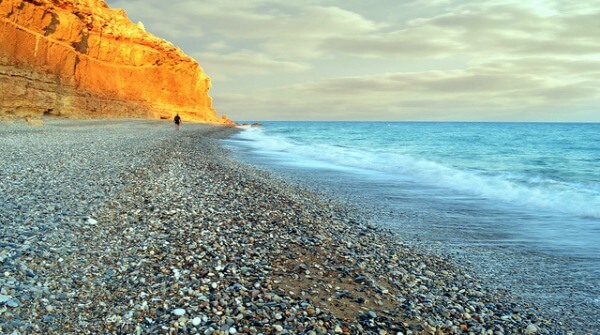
<point>531,329</point>
<point>84,59</point>
<point>4,298</point>
<point>196,321</point>
<point>13,303</point>
<point>179,311</point>
<point>360,279</point>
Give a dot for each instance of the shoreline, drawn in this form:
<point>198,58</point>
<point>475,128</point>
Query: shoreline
<point>530,275</point>
<point>129,227</point>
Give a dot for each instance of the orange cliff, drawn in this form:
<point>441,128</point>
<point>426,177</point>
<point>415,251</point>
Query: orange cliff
<point>82,59</point>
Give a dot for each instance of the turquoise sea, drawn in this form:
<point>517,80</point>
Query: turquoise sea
<point>518,203</point>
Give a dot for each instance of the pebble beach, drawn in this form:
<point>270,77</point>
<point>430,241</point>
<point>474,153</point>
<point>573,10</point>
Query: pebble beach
<point>131,227</point>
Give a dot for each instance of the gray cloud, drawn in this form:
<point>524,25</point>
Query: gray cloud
<point>476,30</point>
<point>418,60</point>
<point>430,94</point>
<point>282,29</point>
<point>226,66</point>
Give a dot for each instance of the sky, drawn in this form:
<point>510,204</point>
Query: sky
<point>413,60</point>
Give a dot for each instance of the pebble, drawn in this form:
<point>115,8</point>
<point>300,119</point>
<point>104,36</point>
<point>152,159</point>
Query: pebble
<point>187,230</point>
<point>13,303</point>
<point>531,329</point>
<point>179,311</point>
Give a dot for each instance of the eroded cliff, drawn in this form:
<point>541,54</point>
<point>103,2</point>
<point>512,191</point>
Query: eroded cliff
<point>80,58</point>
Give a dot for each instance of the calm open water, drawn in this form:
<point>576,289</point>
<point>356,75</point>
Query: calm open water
<point>519,203</point>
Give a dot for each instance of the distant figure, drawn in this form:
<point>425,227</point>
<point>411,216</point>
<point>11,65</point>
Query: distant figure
<point>177,120</point>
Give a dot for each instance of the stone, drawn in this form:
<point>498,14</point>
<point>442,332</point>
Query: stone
<point>13,303</point>
<point>531,329</point>
<point>179,311</point>
<point>196,321</point>
<point>4,298</point>
<point>360,279</point>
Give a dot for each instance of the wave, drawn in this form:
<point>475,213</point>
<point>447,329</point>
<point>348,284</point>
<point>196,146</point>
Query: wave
<point>515,188</point>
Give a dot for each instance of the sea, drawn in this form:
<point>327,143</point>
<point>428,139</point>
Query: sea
<point>517,204</point>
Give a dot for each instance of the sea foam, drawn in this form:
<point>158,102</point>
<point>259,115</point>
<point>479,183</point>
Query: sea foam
<point>514,187</point>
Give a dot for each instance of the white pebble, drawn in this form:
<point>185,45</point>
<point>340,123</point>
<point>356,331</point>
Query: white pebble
<point>531,329</point>
<point>179,311</point>
<point>196,321</point>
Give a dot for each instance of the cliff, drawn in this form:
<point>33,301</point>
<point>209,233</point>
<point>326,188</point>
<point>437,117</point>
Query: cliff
<point>81,59</point>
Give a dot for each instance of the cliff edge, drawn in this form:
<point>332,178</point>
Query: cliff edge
<point>82,59</point>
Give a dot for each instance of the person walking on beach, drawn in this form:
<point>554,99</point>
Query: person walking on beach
<point>177,120</point>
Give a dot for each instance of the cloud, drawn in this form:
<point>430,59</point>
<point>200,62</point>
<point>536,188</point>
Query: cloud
<point>471,87</point>
<point>417,60</point>
<point>478,93</point>
<point>282,29</point>
<point>404,43</point>
<point>552,67</point>
<point>246,63</point>
<point>160,20</point>
<point>512,29</point>
<point>478,30</point>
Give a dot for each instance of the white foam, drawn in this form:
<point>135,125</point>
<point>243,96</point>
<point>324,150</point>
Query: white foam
<point>530,191</point>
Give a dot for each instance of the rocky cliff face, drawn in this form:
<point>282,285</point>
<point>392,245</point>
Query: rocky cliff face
<point>80,58</point>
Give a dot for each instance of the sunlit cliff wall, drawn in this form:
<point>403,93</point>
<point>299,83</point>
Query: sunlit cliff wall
<point>80,58</point>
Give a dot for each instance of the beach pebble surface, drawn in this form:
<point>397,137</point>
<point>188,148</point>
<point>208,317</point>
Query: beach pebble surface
<point>128,226</point>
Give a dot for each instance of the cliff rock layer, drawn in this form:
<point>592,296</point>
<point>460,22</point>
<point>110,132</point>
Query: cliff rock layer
<point>80,58</point>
